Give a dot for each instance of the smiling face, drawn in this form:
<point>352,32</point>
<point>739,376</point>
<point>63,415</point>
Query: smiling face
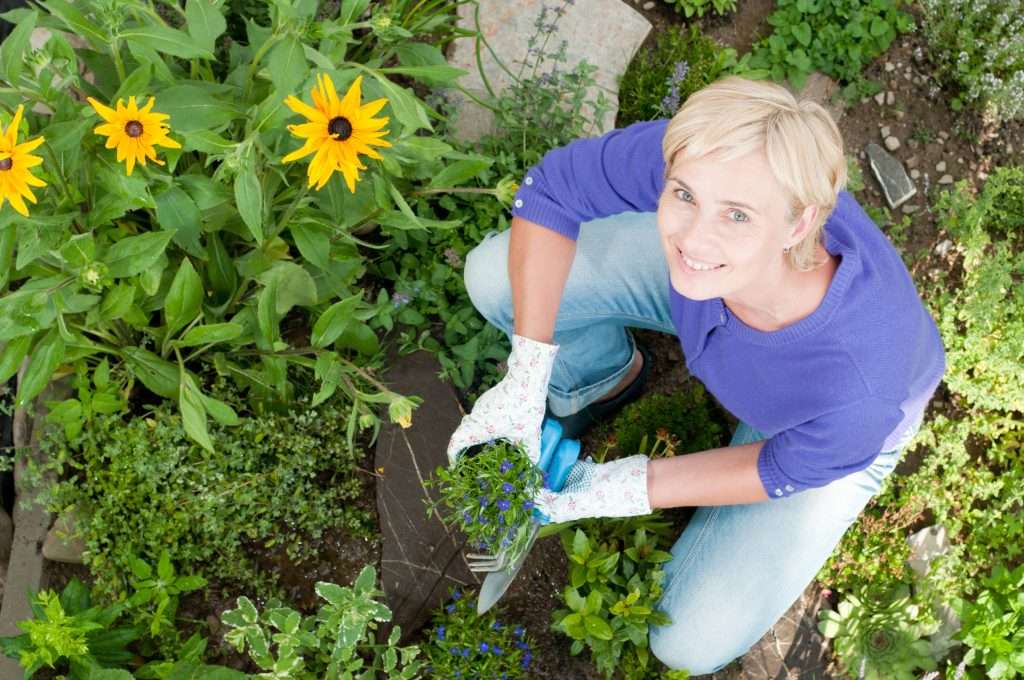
<point>723,226</point>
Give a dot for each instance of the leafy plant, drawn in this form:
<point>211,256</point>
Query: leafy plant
<point>837,38</point>
<point>489,496</point>
<point>660,78</point>
<point>69,631</point>
<point>337,642</point>
<point>878,636</point>
<point>992,626</point>
<point>216,260</point>
<point>138,486</point>
<point>691,7</point>
<point>154,600</point>
<point>464,644</point>
<point>613,588</point>
<point>686,418</point>
<point>978,48</point>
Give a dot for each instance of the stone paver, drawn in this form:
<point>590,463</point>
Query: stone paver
<point>421,558</point>
<point>896,185</point>
<point>606,33</point>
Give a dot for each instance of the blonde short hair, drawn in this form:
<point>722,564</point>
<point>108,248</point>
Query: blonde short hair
<point>799,138</point>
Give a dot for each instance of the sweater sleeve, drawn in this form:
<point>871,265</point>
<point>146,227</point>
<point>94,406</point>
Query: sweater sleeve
<point>621,171</point>
<point>827,448</point>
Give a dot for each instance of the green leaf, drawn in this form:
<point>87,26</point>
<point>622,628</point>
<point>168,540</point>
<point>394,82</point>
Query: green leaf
<point>313,242</point>
<point>458,172</point>
<point>406,107</point>
<point>14,353</point>
<point>159,375</point>
<point>221,412</point>
<point>294,286</point>
<point>333,322</point>
<point>580,544</point>
<point>802,32</point>
<point>97,673</point>
<point>164,568</point>
<point>12,52</point>
<point>117,302</point>
<point>194,108</point>
<point>597,627</point>
<point>207,141</point>
<point>79,25</point>
<point>166,40</point>
<point>878,26</point>
<point>351,10</point>
<point>266,314</point>
<point>220,267</point>
<point>193,412</point>
<point>249,199</point>
<point>210,334</point>
<point>431,75</point>
<point>287,64</point>
<point>46,357</point>
<point>204,22</point>
<point>176,210</point>
<point>8,239</point>
<point>184,299</point>
<point>136,83</point>
<point>135,254</point>
<point>140,569</point>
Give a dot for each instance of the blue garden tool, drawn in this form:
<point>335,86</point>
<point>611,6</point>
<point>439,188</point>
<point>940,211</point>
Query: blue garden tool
<point>557,456</point>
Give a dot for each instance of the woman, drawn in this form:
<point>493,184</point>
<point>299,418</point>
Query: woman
<point>791,307</point>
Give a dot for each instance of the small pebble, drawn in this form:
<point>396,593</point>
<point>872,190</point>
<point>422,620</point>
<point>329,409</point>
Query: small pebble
<point>946,179</point>
<point>982,175</point>
<point>960,161</point>
<point>940,166</point>
<point>899,115</point>
<point>880,98</point>
<point>891,143</point>
<point>943,134</point>
<point>909,208</point>
<point>943,248</point>
<point>912,162</point>
<point>885,131</point>
<point>889,67</point>
<point>915,174</point>
<point>890,98</point>
<point>649,5</point>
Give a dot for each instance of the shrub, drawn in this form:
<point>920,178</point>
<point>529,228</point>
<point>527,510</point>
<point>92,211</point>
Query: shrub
<point>690,7</point>
<point>993,624</point>
<point>660,78</point>
<point>688,418</point>
<point>978,48</point>
<point>139,486</point>
<point>837,38</point>
<point>464,644</point>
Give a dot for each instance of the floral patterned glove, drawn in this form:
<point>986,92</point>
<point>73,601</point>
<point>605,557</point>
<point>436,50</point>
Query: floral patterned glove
<point>514,408</point>
<point>615,489</point>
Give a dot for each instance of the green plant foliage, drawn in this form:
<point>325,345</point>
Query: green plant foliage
<point>69,631</point>
<point>698,7</point>
<point>155,595</point>
<point>489,496</point>
<point>464,644</point>
<point>992,626</point>
<point>660,78</point>
<point>837,38</point>
<point>980,310</point>
<point>686,418</point>
<point>211,261</point>
<point>138,486</point>
<point>878,635</point>
<point>978,49</point>
<point>614,585</point>
<point>339,641</point>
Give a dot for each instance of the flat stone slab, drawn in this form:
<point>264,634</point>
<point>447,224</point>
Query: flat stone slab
<point>896,185</point>
<point>605,33</point>
<point>420,558</point>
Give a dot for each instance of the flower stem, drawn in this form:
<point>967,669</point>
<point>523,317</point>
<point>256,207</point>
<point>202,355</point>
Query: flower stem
<point>289,211</point>
<point>115,53</point>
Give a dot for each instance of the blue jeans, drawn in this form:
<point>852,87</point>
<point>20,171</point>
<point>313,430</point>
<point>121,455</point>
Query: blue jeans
<point>736,569</point>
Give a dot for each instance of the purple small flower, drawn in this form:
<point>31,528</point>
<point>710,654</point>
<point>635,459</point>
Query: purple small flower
<point>523,646</point>
<point>505,466</point>
<point>496,650</point>
<point>527,505</point>
<point>400,299</point>
<point>496,625</point>
<point>527,658</point>
<point>467,518</point>
<point>483,501</point>
<point>466,651</point>
<point>440,632</point>
<point>504,505</point>
<point>482,521</point>
<point>484,647</point>
<point>507,488</point>
<point>458,674</point>
<point>519,632</point>
<point>453,650</point>
<point>451,610</point>
<point>457,594</point>
<point>501,518</point>
<point>505,542</point>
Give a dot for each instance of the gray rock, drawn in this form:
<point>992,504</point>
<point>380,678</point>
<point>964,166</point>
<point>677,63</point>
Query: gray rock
<point>889,67</point>
<point>912,162</point>
<point>606,33</point>
<point>885,131</point>
<point>880,98</point>
<point>63,543</point>
<point>649,6</point>
<point>890,98</point>
<point>940,166</point>
<point>946,179</point>
<point>420,556</point>
<point>896,186</point>
<point>915,174</point>
<point>944,134</point>
<point>891,143</point>
<point>943,248</point>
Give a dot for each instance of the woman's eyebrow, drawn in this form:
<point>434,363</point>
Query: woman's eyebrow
<point>737,204</point>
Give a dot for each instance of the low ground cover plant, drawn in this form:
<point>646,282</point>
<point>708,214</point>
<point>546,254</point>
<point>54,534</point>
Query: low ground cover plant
<point>689,8</point>
<point>687,419</point>
<point>137,485</point>
<point>993,625</point>
<point>978,50</point>
<point>467,645</point>
<point>660,78</point>
<point>489,496</point>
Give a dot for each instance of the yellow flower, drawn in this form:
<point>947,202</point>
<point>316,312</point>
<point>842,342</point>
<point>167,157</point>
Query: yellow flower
<point>338,131</point>
<point>133,131</point>
<point>15,160</point>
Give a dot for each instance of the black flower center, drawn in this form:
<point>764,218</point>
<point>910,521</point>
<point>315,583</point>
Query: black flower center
<point>6,163</point>
<point>340,128</point>
<point>133,128</point>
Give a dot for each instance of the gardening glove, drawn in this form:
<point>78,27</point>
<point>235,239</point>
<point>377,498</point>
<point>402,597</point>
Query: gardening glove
<point>513,409</point>
<point>615,489</point>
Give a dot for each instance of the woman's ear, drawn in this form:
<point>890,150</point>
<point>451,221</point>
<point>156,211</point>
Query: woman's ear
<point>803,226</point>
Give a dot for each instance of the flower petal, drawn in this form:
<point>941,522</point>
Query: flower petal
<point>303,109</point>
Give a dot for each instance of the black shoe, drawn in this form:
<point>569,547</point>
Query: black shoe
<point>576,425</point>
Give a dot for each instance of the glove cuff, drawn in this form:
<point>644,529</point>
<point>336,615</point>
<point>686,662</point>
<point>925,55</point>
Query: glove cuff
<point>631,472</point>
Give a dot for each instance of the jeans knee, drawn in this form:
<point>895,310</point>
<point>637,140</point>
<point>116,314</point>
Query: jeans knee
<point>698,656</point>
<point>486,278</point>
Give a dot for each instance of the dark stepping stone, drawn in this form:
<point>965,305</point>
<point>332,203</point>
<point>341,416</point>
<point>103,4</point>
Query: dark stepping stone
<point>896,185</point>
<point>421,558</point>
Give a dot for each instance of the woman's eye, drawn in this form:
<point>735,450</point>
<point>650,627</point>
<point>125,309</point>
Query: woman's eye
<point>738,216</point>
<point>684,195</point>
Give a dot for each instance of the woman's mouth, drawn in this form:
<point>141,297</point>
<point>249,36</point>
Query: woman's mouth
<point>698,265</point>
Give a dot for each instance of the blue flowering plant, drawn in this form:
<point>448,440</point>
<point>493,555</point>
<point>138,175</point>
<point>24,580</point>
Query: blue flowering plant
<point>470,646</point>
<point>489,496</point>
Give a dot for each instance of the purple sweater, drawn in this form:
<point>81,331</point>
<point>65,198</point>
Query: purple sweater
<point>830,391</point>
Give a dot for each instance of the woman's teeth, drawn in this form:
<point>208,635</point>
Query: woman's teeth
<point>699,266</point>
